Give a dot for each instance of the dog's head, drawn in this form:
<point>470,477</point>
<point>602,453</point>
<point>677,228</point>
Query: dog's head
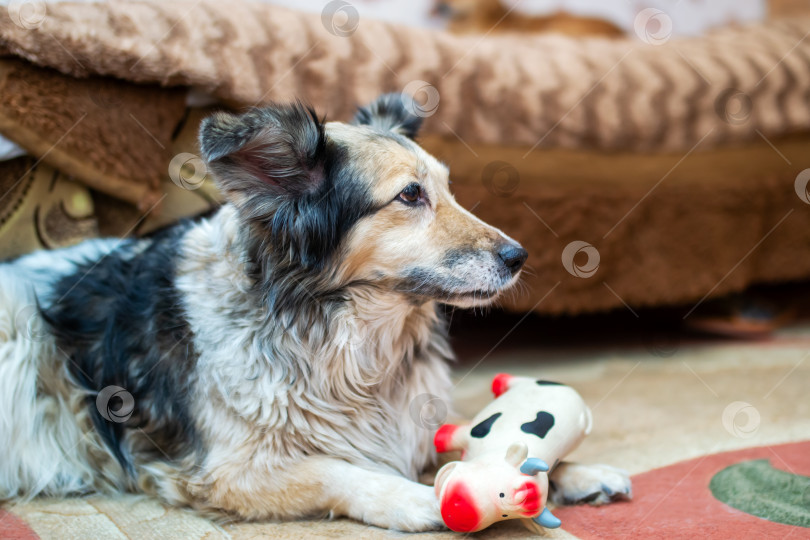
<point>360,202</point>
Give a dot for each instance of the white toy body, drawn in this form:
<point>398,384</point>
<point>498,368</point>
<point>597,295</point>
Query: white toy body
<point>508,449</point>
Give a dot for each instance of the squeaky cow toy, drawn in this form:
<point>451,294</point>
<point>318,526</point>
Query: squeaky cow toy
<point>508,450</point>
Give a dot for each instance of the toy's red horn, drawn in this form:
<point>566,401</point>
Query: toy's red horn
<point>458,509</point>
<point>500,383</point>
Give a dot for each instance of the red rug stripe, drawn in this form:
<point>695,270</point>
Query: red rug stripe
<point>14,528</point>
<point>675,502</point>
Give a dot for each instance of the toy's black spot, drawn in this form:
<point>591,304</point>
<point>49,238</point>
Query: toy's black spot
<point>540,426</point>
<point>482,430</point>
<point>501,495</point>
<point>542,382</point>
<point>504,515</point>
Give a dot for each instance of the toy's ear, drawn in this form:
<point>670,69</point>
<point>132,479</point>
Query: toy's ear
<point>442,476</point>
<point>587,420</point>
<point>516,454</point>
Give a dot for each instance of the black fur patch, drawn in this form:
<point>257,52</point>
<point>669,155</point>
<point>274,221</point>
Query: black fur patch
<point>425,282</point>
<point>457,256</point>
<point>120,321</point>
<point>296,190</point>
<point>391,112</point>
<point>482,429</point>
<point>540,426</point>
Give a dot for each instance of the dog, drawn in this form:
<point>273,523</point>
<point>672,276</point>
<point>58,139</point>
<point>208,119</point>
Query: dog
<point>492,16</point>
<point>259,363</point>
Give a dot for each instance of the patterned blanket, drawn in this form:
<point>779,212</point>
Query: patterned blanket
<point>543,91</point>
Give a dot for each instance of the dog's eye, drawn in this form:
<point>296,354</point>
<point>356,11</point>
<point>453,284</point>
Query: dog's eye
<point>411,194</point>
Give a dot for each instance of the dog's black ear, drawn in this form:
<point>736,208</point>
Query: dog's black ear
<point>272,164</point>
<point>274,151</point>
<point>391,112</point>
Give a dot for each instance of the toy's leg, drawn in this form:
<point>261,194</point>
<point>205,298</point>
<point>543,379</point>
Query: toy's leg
<point>574,483</point>
<point>547,519</point>
<point>451,437</point>
<point>544,521</point>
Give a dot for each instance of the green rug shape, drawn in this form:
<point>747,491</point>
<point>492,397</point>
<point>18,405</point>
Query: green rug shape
<point>756,488</point>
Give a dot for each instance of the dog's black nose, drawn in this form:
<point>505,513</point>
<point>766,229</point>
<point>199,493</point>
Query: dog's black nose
<point>513,257</point>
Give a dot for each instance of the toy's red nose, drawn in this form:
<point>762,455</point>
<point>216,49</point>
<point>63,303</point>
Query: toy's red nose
<point>527,497</point>
<point>458,509</point>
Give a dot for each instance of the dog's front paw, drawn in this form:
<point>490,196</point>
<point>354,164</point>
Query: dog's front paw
<point>415,510</point>
<point>594,484</point>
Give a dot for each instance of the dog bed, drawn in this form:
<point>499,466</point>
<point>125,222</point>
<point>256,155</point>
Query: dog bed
<point>634,174</point>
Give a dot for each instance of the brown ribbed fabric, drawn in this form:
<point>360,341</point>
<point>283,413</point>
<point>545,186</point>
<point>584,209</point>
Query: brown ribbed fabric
<point>546,90</point>
<point>111,134</point>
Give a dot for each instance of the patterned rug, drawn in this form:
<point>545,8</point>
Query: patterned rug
<point>716,435</point>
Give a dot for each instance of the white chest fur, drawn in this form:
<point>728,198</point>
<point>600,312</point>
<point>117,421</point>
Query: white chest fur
<point>337,382</point>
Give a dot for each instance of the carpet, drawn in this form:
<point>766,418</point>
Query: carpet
<point>677,412</point>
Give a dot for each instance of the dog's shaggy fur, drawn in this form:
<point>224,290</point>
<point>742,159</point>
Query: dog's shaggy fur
<point>260,363</point>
